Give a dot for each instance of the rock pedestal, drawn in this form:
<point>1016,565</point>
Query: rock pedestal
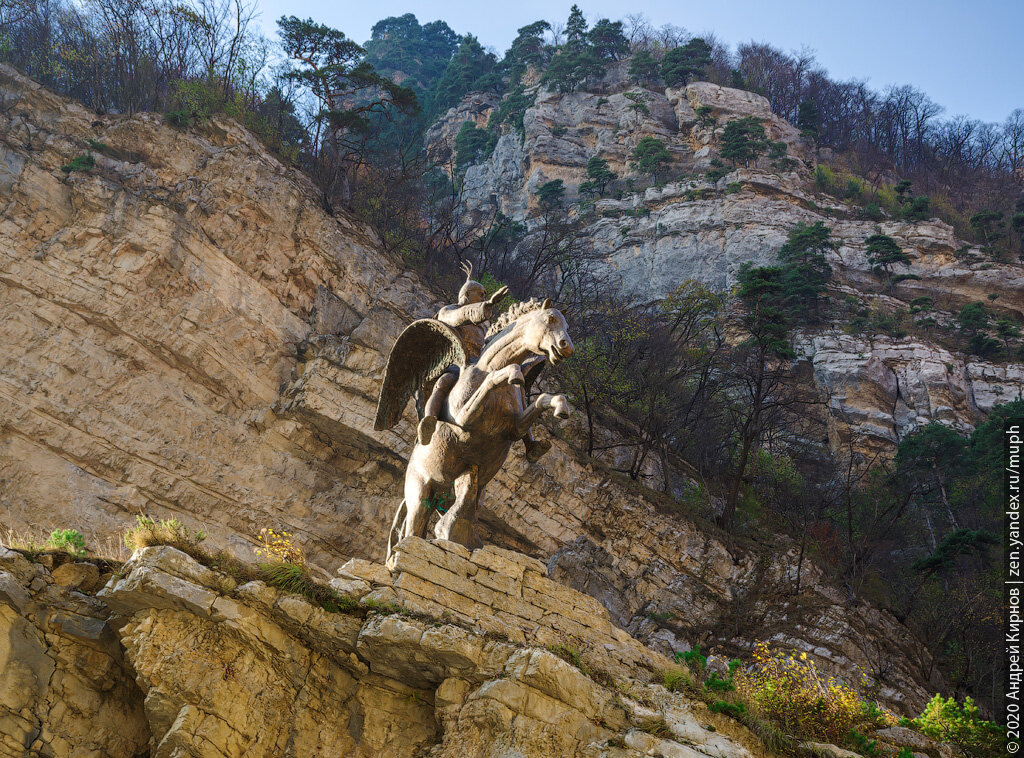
<point>508,594</point>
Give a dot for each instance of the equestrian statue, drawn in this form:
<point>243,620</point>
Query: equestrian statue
<point>476,379</point>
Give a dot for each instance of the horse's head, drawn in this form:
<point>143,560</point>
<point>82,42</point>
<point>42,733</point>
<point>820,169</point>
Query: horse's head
<point>544,331</point>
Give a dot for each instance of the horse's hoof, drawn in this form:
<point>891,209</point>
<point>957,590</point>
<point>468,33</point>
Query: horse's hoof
<point>425,431</point>
<point>516,378</point>
<point>536,449</point>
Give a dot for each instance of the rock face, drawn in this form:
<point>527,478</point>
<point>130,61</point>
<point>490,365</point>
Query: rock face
<point>65,687</point>
<point>693,227</point>
<point>561,132</point>
<point>152,312</point>
<point>188,334</point>
<point>198,666</point>
<point>884,388</point>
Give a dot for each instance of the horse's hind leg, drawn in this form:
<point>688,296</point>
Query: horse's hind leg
<point>459,524</point>
<point>417,493</point>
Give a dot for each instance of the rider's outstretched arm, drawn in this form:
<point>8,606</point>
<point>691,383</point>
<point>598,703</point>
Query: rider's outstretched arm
<point>457,315</point>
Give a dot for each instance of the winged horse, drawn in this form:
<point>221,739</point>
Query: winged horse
<point>486,411</point>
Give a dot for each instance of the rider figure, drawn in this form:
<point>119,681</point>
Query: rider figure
<point>467,318</point>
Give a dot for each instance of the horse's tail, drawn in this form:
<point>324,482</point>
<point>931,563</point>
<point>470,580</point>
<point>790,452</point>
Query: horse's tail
<point>397,529</point>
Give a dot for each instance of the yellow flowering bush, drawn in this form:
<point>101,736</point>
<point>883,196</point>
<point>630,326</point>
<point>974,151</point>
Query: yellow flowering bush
<point>279,546</point>
<point>790,692</point>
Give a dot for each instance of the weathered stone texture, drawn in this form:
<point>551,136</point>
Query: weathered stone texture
<point>509,594</point>
<point>257,672</point>
<point>64,686</point>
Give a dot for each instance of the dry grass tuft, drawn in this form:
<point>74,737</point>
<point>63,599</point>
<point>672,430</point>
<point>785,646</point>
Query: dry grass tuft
<point>657,726</point>
<point>149,532</point>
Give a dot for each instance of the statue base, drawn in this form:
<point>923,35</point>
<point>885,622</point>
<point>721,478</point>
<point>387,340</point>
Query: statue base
<point>463,531</point>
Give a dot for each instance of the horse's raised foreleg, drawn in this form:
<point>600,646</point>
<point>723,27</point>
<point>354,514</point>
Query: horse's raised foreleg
<point>459,524</point>
<point>474,406</point>
<point>557,403</point>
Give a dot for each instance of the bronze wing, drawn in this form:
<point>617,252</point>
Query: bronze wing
<point>419,356</point>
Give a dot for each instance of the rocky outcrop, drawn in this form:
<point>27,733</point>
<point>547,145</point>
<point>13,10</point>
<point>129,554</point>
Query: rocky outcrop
<point>882,388</point>
<point>200,666</point>
<point>562,131</point>
<point>476,107</point>
<point>187,333</point>
<point>65,687</point>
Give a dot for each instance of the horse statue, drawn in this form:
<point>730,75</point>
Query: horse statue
<point>484,413</point>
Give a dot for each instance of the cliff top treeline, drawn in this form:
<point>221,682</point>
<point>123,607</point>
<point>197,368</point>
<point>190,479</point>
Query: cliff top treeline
<point>194,58</point>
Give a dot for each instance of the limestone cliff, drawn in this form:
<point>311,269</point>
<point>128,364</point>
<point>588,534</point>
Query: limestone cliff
<point>187,333</point>
<point>693,227</point>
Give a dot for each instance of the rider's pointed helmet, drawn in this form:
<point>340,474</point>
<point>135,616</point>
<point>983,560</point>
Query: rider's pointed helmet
<point>471,291</point>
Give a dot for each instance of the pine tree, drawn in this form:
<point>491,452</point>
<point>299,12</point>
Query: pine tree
<point>1007,330</point>
<point>974,319</point>
<point>638,105</point>
<point>805,269</point>
<point>576,60</point>
<point>466,72</point>
<point>527,50</point>
<point>989,225</point>
<point>705,115</point>
<point>883,253</point>
<point>550,193</point>
<point>600,174</point>
<point>643,68</point>
<point>918,208</point>
<point>650,156</point>
<point>683,64</point>
<point>472,144</point>
<point>902,190</point>
<point>743,140</point>
<point>576,28</point>
<point>607,40</point>
<point>348,88</point>
<point>761,288</point>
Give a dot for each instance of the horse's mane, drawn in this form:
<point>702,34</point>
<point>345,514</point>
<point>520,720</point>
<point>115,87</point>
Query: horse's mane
<point>512,314</point>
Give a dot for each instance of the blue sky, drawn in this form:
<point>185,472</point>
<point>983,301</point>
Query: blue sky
<point>965,55</point>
